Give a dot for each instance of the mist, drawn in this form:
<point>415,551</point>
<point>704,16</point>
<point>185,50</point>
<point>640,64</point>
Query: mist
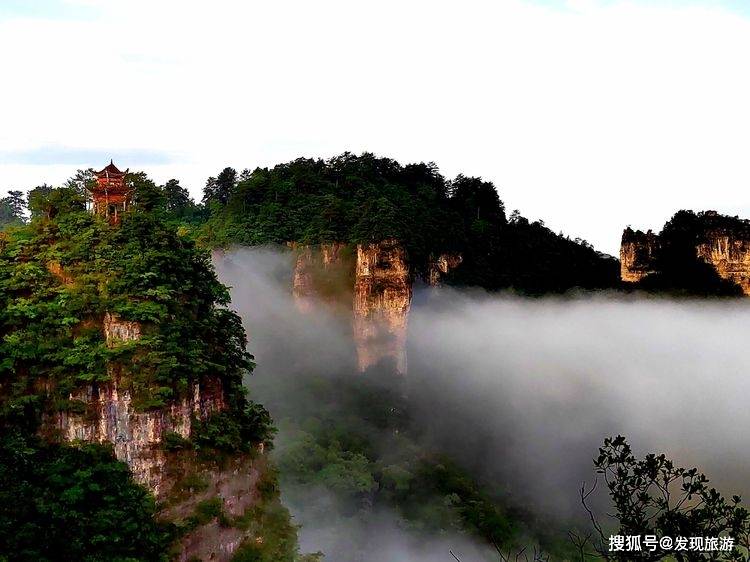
<point>521,392</point>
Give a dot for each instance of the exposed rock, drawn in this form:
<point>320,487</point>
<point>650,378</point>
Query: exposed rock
<point>441,266</point>
<point>730,257</point>
<point>721,241</point>
<point>56,269</point>
<point>236,483</point>
<point>117,330</point>
<point>637,252</point>
<point>321,273</point>
<point>136,436</point>
<point>382,298</point>
<point>377,281</point>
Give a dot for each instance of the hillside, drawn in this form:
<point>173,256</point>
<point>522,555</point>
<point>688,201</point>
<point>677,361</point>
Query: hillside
<point>365,199</point>
<point>702,254</point>
<point>126,428</point>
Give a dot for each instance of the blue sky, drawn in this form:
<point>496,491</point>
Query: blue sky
<point>588,114</point>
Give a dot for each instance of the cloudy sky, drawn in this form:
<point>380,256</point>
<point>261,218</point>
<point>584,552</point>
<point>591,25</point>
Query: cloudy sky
<point>589,114</point>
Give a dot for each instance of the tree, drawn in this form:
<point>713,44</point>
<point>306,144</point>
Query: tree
<point>12,209</point>
<point>219,189</point>
<point>652,496</point>
<point>61,502</point>
<point>177,199</point>
<point>36,195</point>
<point>147,196</point>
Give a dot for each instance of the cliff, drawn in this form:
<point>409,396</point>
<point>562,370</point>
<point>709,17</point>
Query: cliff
<point>181,480</point>
<point>637,254</point>
<point>382,298</point>
<point>321,273</point>
<point>371,282</point>
<point>121,336</point>
<point>688,243</point>
<point>730,256</point>
<point>136,436</point>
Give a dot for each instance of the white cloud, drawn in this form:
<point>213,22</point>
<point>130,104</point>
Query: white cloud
<point>590,116</point>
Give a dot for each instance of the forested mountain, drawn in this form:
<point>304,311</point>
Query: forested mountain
<point>698,254</point>
<point>361,199</point>
<point>125,428</point>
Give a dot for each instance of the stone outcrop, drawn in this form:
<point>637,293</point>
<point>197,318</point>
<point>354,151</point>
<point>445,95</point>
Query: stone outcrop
<point>730,256</point>
<point>236,483</point>
<point>719,240</point>
<point>56,269</point>
<point>442,266</point>
<point>382,298</point>
<point>321,273</point>
<point>637,253</point>
<point>370,282</point>
<point>137,438</point>
<point>135,435</point>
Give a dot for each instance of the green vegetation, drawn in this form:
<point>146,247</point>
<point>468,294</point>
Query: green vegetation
<point>66,269</point>
<point>361,199</point>
<point>270,522</point>
<point>652,496</point>
<point>73,503</point>
<point>352,438</point>
<point>11,209</point>
<point>64,274</point>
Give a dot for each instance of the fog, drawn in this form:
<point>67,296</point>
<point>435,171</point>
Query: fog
<point>522,391</point>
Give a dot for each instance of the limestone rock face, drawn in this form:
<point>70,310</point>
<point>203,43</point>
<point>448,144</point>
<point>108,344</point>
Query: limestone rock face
<point>382,298</point>
<point>441,266</point>
<point>56,269</point>
<point>136,436</point>
<point>321,273</point>
<point>730,256</point>
<point>372,283</point>
<point>237,484</point>
<point>117,330</point>
<point>636,254</point>
<point>723,242</point>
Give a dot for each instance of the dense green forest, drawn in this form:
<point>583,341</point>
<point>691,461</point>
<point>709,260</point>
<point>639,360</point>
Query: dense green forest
<point>61,266</point>
<point>364,198</point>
<point>61,271</point>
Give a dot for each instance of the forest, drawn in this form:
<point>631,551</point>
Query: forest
<point>154,268</point>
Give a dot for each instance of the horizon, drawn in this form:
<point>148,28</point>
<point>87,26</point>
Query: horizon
<point>575,121</point>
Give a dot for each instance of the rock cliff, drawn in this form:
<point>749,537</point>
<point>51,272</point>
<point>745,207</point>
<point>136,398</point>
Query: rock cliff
<point>323,272</point>
<point>441,266</point>
<point>637,253</point>
<point>138,439</point>
<point>720,241</point>
<point>371,282</point>
<point>136,436</point>
<point>382,298</point>
<point>730,256</point>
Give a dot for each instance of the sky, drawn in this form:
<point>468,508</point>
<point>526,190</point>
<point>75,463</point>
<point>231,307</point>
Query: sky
<point>589,114</point>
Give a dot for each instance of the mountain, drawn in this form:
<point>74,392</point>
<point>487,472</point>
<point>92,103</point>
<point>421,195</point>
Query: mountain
<point>366,229</point>
<point>703,253</point>
<point>126,428</point>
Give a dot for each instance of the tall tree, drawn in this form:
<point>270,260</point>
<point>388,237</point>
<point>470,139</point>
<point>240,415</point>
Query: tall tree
<point>219,189</point>
<point>12,209</point>
<point>177,199</point>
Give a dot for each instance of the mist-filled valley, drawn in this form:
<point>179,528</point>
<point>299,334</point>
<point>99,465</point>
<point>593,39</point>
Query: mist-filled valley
<point>518,392</point>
